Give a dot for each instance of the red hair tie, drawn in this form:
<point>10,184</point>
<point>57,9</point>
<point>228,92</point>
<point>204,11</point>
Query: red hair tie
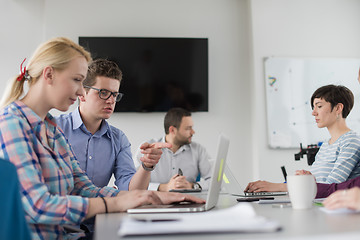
<point>22,71</point>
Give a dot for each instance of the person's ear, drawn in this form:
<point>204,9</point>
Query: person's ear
<point>49,74</point>
<point>339,108</point>
<point>172,129</point>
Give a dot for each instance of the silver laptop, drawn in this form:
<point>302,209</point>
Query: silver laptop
<point>213,192</point>
<point>232,186</point>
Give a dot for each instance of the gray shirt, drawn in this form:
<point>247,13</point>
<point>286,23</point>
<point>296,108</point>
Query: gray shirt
<point>192,158</point>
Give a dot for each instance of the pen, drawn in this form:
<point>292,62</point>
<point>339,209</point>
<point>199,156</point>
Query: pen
<point>180,172</point>
<point>284,172</point>
<point>319,204</point>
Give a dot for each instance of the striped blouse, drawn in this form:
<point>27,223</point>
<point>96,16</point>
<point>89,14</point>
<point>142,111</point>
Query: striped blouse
<point>338,162</point>
<point>54,190</point>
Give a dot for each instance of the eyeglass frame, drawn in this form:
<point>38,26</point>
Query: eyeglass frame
<point>117,98</point>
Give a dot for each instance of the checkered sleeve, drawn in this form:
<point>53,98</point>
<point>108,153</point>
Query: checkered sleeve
<point>20,146</point>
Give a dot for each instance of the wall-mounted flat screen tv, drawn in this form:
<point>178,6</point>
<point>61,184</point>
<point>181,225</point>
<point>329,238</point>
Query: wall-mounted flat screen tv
<point>158,73</point>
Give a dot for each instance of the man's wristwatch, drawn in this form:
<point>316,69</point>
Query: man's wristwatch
<point>196,186</point>
<point>149,169</point>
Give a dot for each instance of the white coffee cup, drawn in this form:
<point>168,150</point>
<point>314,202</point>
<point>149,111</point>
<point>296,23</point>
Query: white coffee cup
<point>302,191</point>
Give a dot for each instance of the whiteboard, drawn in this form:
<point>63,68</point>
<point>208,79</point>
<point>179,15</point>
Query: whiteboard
<point>290,83</point>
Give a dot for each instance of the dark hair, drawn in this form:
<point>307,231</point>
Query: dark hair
<point>334,95</point>
<point>103,68</point>
<point>173,118</point>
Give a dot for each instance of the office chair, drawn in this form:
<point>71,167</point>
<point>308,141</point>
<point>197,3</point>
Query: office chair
<point>12,219</point>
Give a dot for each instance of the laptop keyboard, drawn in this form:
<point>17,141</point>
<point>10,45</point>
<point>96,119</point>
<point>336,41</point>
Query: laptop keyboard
<point>175,205</point>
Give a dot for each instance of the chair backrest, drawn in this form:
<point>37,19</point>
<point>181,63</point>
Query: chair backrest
<point>12,219</point>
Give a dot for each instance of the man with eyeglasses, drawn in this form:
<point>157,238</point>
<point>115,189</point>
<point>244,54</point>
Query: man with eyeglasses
<point>101,149</point>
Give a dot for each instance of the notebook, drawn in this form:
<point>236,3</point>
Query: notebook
<point>213,192</point>
<point>232,186</point>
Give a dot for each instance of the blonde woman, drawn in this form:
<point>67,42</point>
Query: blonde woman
<point>54,190</point>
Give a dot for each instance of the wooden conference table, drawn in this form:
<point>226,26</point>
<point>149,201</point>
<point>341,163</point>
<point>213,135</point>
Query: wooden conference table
<point>296,224</point>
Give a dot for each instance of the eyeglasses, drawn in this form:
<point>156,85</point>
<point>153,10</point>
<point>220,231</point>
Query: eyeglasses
<point>106,94</point>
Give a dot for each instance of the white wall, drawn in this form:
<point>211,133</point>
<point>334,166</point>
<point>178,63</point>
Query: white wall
<point>295,28</point>
<point>226,25</point>
<point>241,33</point>
<point>21,24</point>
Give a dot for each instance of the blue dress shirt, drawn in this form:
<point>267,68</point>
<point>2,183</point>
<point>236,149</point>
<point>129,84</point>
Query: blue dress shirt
<point>106,152</point>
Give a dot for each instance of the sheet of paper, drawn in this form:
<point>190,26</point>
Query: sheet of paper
<point>339,211</point>
<point>286,200</point>
<point>239,218</point>
<point>332,236</point>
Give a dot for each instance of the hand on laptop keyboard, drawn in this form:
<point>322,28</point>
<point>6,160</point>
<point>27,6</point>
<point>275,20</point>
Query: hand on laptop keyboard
<point>171,197</point>
<point>264,186</point>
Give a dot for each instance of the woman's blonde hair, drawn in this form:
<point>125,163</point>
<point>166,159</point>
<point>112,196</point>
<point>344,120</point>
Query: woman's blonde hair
<point>57,53</point>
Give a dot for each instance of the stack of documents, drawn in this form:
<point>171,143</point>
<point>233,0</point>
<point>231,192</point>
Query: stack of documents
<point>240,218</point>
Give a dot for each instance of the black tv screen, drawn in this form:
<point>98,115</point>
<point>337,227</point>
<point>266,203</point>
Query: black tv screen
<point>158,73</point>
